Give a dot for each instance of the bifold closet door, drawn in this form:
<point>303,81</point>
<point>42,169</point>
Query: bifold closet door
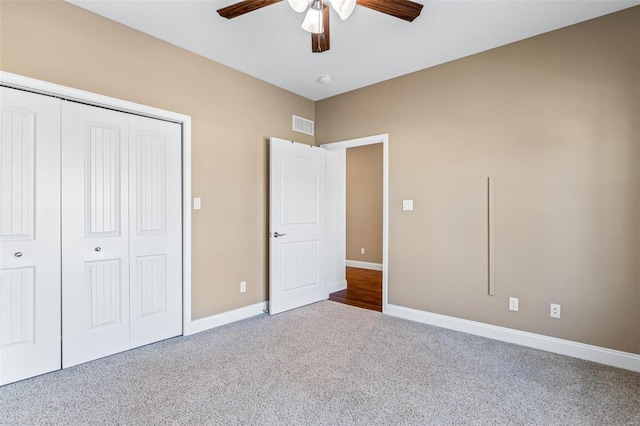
<point>121,232</point>
<point>155,223</point>
<point>95,233</point>
<point>29,235</point>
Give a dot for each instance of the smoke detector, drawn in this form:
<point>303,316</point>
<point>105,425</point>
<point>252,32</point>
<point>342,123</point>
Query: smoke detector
<point>326,79</point>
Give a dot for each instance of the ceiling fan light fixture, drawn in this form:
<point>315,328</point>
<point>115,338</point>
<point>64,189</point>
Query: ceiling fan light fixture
<point>313,20</point>
<point>343,7</point>
<point>299,5</point>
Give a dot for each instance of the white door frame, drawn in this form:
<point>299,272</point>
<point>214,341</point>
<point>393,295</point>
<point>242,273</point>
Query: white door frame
<point>370,140</point>
<point>38,86</point>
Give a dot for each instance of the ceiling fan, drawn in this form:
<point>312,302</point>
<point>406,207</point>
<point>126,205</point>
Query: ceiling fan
<point>317,18</point>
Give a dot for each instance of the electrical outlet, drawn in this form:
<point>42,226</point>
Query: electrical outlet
<point>243,286</point>
<point>513,303</point>
<point>555,310</point>
<point>362,250</point>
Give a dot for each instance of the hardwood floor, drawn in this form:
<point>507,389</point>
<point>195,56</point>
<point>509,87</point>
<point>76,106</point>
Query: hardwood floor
<point>364,289</point>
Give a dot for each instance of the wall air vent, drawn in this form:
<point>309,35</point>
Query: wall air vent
<point>302,125</point>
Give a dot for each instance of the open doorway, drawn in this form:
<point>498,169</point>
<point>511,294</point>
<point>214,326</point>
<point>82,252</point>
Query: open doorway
<point>357,211</point>
<point>364,289</point>
<point>363,228</point>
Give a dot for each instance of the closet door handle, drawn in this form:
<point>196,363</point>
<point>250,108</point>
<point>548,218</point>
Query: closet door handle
<point>98,249</point>
<point>18,254</point>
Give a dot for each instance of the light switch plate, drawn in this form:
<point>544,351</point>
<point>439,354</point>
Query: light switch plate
<point>407,205</point>
<point>197,204</point>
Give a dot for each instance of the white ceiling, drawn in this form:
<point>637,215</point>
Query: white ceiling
<point>367,48</point>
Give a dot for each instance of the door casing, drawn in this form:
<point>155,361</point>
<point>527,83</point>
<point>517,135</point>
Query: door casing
<point>352,143</point>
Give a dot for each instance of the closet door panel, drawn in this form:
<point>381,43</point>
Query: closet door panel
<point>155,206</point>
<point>29,235</point>
<point>95,242</point>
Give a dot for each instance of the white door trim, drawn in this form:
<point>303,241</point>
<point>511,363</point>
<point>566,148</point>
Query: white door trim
<point>47,88</point>
<point>370,140</point>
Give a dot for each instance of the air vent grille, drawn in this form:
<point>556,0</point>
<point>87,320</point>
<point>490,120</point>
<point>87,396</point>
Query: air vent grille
<point>302,125</point>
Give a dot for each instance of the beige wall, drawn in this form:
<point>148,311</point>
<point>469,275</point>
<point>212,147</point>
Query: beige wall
<point>364,203</point>
<point>556,120</point>
<point>232,115</point>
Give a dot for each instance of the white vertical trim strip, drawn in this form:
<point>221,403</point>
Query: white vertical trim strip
<point>336,219</point>
<point>186,226</point>
<point>385,222</point>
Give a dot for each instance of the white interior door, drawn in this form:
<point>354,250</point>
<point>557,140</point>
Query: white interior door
<point>29,235</point>
<point>122,232</point>
<point>297,225</point>
<point>95,222</point>
<point>155,218</point>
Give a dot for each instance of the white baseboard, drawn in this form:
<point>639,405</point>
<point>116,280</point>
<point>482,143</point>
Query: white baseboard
<point>626,360</point>
<point>228,317</point>
<point>364,265</point>
<point>337,286</point>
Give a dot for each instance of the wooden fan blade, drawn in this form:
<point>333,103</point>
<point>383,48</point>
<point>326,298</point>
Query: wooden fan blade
<point>403,9</point>
<point>243,7</point>
<point>320,42</point>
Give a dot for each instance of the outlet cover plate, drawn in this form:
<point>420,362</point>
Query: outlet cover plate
<point>513,303</point>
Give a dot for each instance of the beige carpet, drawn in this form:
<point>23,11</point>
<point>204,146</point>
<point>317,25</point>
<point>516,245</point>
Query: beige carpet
<point>328,364</point>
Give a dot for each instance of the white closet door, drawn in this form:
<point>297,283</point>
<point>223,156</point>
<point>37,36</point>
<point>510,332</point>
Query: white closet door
<point>95,242</point>
<point>29,235</point>
<point>155,196</point>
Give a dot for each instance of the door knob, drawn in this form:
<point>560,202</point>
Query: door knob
<point>98,249</point>
<point>18,254</point>
<point>276,235</point>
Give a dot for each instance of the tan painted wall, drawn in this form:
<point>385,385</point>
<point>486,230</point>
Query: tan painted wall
<point>233,114</point>
<point>556,120</point>
<point>364,203</point>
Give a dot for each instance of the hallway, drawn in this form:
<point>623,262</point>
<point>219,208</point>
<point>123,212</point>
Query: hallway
<point>364,289</point>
